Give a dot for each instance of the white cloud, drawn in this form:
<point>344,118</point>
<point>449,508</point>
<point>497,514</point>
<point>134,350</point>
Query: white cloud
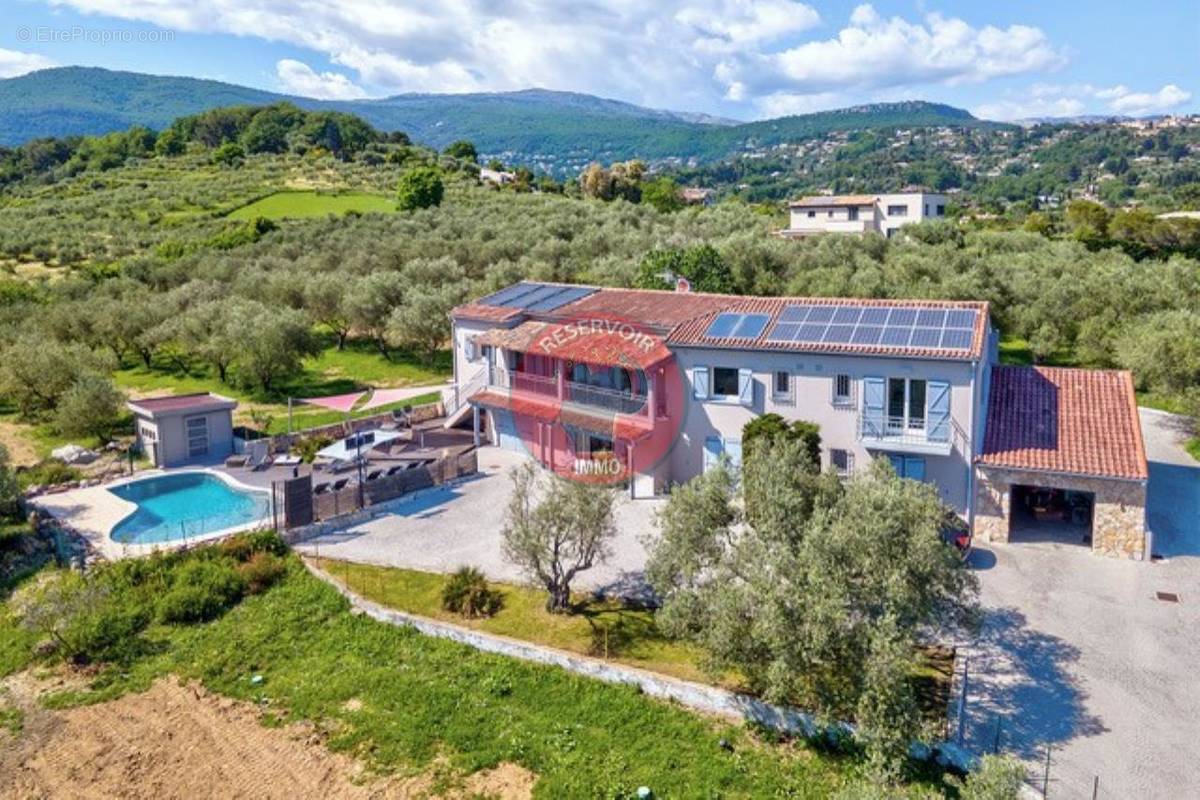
<point>738,23</point>
<point>1123,101</point>
<point>14,63</point>
<point>872,52</point>
<point>715,55</point>
<point>1055,100</point>
<point>299,78</point>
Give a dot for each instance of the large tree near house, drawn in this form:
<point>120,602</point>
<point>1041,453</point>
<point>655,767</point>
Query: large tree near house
<point>556,528</point>
<point>823,606</point>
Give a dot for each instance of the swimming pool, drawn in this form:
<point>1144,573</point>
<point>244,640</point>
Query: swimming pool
<point>185,505</point>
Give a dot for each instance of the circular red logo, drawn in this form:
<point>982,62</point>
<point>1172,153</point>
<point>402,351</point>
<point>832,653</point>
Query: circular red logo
<point>598,399</point>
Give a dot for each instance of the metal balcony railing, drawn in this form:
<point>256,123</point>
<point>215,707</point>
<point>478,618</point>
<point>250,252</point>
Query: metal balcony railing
<point>898,433</point>
<point>617,400</point>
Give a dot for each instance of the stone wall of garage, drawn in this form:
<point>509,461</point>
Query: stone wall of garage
<point>1118,515</point>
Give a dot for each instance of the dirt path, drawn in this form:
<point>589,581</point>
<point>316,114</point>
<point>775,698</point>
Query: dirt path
<point>178,741</point>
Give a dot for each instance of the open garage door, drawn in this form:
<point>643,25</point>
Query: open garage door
<point>1046,514</point>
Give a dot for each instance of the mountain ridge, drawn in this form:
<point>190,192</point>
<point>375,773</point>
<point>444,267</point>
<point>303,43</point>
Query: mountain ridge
<point>553,130</point>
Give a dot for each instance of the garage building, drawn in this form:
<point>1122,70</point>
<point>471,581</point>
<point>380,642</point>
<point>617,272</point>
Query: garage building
<point>183,429</point>
<point>1063,460</point>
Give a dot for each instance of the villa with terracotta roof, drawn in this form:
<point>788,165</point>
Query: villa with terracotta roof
<point>660,385</point>
<point>862,213</point>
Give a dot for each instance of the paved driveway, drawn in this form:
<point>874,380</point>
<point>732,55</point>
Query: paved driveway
<point>450,527</point>
<point>1077,652</point>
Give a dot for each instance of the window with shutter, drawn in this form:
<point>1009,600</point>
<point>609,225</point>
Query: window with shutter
<point>700,383</point>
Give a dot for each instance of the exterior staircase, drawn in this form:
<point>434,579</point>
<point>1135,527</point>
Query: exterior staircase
<point>454,398</point>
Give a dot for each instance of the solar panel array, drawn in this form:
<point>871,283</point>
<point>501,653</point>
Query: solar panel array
<point>881,326</point>
<point>737,326</point>
<point>536,296</point>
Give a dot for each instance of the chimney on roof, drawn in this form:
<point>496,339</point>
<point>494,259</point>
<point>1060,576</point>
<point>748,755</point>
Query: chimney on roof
<point>683,285</point>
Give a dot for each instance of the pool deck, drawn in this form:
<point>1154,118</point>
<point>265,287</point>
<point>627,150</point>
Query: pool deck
<point>94,511</point>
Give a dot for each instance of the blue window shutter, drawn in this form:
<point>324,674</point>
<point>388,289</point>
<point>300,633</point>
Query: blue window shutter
<point>914,468</point>
<point>873,405</point>
<point>938,416</point>
<point>733,449</point>
<point>745,387</point>
<point>897,463</point>
<point>712,452</point>
<point>700,383</point>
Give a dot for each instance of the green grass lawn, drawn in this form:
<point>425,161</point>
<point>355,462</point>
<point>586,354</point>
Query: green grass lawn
<point>360,365</point>
<point>419,698</point>
<point>300,204</point>
<point>331,372</point>
<point>1193,447</point>
<point>603,629</point>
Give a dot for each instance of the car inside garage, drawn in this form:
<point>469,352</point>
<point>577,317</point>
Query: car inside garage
<point>1049,514</point>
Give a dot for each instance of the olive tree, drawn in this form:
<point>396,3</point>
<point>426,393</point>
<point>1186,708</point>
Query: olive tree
<point>555,528</point>
<point>91,407</point>
<point>423,321</point>
<point>822,607</point>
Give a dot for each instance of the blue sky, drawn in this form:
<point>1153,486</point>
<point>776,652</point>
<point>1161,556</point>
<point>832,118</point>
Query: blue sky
<point>738,58</point>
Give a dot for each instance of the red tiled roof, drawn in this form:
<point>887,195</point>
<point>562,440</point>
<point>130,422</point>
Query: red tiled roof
<point>827,200</point>
<point>658,308</point>
<point>486,313</point>
<point>693,332</point>
<point>686,316</point>
<point>1053,419</point>
<point>182,402</point>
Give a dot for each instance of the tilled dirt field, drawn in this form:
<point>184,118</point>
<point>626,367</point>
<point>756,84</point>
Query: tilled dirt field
<point>178,741</point>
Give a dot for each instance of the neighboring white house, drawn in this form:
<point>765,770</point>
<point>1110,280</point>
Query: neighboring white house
<point>547,369</point>
<point>497,176</point>
<point>862,213</point>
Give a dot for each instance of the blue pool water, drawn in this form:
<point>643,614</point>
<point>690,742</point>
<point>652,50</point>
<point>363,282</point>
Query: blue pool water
<point>183,506</point>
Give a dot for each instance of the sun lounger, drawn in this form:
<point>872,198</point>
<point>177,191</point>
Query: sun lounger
<point>374,475</point>
<point>393,470</point>
<point>236,460</point>
<point>321,488</point>
<point>339,484</point>
<point>266,463</point>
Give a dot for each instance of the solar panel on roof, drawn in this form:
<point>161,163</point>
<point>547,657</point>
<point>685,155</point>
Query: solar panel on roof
<point>784,332</point>
<point>847,315</point>
<point>902,317</point>
<point>959,318</point>
<point>794,313</point>
<point>558,299</point>
<point>866,334</point>
<point>838,334</point>
<point>723,325</point>
<point>956,339</point>
<point>811,332</point>
<point>501,297</point>
<point>925,337</point>
<point>820,314</point>
<point>931,317</point>
<point>751,326</point>
<point>895,337</point>
<point>874,316</point>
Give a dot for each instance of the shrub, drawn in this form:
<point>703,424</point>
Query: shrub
<point>85,619</point>
<point>466,592</point>
<point>202,590</point>
<point>262,571</point>
<point>244,546</point>
<point>50,472</point>
<point>307,447</point>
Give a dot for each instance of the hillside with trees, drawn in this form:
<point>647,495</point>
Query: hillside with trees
<point>127,263</point>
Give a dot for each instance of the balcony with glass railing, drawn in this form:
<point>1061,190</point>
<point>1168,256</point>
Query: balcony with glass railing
<point>906,434</point>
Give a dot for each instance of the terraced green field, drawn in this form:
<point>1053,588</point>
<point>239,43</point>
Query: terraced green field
<point>299,205</point>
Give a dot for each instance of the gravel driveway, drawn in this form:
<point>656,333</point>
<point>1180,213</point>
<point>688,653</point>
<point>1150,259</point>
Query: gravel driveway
<point>449,527</point>
<point>1077,652</point>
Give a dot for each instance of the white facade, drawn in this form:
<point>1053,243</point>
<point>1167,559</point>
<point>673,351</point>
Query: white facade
<point>925,415</point>
<point>883,214</point>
